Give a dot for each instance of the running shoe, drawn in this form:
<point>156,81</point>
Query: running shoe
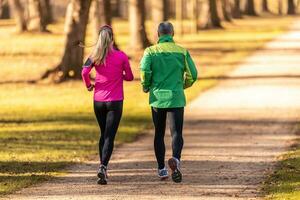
<point>163,173</point>
<point>102,175</point>
<point>174,164</point>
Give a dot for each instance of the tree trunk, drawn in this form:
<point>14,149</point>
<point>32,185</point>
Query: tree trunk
<point>100,15</point>
<point>265,6</point>
<point>179,17</point>
<point>19,16</point>
<point>213,20</point>
<point>237,13</point>
<point>250,8</point>
<point>280,7</point>
<point>194,10</point>
<point>166,9</point>
<point>36,18</point>
<point>226,9</point>
<point>123,9</point>
<point>117,8</point>
<point>4,10</point>
<point>138,35</point>
<point>75,26</point>
<point>47,11</point>
<point>107,11</point>
<point>158,14</point>
<point>97,17</point>
<point>101,12</point>
<point>291,7</point>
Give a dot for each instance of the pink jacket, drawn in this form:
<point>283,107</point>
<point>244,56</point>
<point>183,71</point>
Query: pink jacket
<point>109,77</point>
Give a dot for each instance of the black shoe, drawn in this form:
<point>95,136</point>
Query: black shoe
<point>176,174</point>
<point>102,175</point>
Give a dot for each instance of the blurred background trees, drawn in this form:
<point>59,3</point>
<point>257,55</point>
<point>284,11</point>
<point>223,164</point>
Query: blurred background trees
<point>19,15</point>
<point>75,28</point>
<point>36,15</point>
<point>137,16</point>
<point>4,10</point>
<point>291,7</point>
<point>250,8</point>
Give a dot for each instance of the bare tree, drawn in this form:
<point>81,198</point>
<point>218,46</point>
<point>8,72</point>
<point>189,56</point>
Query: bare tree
<point>47,11</point>
<point>250,8</point>
<point>75,27</point>
<point>167,5</point>
<point>36,19</point>
<point>213,20</point>
<point>101,10</point>
<point>4,10</point>
<point>158,13</point>
<point>179,17</point>
<point>107,11</point>
<point>237,13</point>
<point>226,10</point>
<point>138,35</point>
<point>194,16</point>
<point>97,16</point>
<point>265,6</point>
<point>19,16</point>
<point>100,15</point>
<point>280,7</point>
<point>291,7</point>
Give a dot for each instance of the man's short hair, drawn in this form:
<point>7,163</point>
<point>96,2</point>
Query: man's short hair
<point>165,28</point>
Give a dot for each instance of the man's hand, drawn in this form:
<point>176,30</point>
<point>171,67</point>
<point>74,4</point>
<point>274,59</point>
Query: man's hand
<point>90,88</point>
<point>146,90</point>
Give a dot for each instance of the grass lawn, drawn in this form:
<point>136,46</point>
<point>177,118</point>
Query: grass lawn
<point>45,127</point>
<point>284,183</point>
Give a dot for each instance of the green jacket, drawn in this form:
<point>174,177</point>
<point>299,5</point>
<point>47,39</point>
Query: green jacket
<point>166,70</point>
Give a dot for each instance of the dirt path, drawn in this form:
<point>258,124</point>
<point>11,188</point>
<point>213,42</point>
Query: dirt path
<point>233,134</point>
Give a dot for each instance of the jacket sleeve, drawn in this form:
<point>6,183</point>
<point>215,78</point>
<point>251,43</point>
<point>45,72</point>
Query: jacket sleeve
<point>85,73</point>
<point>128,76</point>
<point>146,70</point>
<point>191,73</point>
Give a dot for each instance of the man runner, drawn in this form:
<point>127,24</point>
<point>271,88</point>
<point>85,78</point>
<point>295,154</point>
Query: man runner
<point>166,70</point>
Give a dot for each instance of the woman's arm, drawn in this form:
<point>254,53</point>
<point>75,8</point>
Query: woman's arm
<point>85,73</point>
<point>128,76</point>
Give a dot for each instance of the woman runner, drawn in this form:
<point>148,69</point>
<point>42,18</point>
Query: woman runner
<point>112,67</point>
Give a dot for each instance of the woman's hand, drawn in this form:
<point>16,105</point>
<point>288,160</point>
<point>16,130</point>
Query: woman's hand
<point>90,88</point>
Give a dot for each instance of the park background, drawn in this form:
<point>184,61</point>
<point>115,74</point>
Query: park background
<point>46,115</point>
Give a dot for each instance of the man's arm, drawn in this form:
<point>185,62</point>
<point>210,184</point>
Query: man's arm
<point>191,73</point>
<point>146,71</point>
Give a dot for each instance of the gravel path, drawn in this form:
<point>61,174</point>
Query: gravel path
<point>233,134</point>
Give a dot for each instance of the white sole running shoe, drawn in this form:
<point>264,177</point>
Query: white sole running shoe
<point>176,173</point>
<point>163,174</point>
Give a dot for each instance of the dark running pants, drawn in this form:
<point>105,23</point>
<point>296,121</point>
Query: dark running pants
<point>175,116</point>
<point>108,115</point>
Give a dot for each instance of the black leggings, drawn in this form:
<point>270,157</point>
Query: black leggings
<point>159,116</point>
<point>108,115</point>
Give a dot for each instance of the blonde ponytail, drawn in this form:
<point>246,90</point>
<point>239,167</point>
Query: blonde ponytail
<point>103,47</point>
